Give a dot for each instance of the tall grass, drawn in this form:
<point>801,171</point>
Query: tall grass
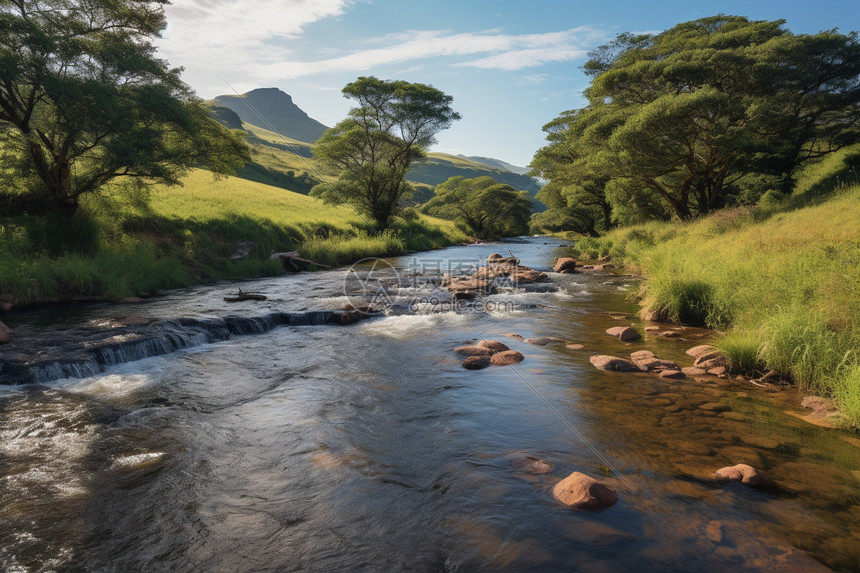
<point>783,279</point>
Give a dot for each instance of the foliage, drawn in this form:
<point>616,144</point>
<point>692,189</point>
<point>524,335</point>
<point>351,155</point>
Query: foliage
<point>783,279</point>
<point>482,207</point>
<point>167,238</point>
<point>84,100</point>
<point>372,150</point>
<point>710,113</point>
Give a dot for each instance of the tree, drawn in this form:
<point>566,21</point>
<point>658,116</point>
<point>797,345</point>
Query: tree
<point>373,148</point>
<point>84,100</point>
<point>709,113</point>
<point>482,207</point>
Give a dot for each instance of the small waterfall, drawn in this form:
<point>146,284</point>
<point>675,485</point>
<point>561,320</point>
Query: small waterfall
<point>135,343</point>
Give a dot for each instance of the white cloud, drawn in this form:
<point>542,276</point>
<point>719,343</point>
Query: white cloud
<point>496,51</point>
<point>228,36</point>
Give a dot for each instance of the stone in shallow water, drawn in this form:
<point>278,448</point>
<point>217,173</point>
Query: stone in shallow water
<point>476,362</point>
<point>534,466</point>
<point>623,333</point>
<point>473,350</point>
<point>697,351</point>
<point>538,341</point>
<point>506,358</point>
<point>575,346</point>
<point>612,364</point>
<point>493,345</point>
<point>582,492</point>
<point>741,472</point>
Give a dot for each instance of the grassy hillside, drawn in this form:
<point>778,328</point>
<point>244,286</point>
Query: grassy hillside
<point>127,244</point>
<point>783,280</point>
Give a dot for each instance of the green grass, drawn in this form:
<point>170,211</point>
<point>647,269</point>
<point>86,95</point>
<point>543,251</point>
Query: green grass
<point>782,278</point>
<point>124,243</point>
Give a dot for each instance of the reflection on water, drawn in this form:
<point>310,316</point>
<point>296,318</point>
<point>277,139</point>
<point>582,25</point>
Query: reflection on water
<point>370,448</point>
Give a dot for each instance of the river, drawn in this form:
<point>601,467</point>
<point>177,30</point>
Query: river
<point>369,448</point>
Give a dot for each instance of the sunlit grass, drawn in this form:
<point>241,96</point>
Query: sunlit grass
<point>784,278</point>
<point>124,243</point>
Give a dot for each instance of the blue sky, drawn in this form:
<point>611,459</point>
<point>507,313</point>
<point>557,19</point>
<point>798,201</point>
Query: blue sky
<point>511,66</point>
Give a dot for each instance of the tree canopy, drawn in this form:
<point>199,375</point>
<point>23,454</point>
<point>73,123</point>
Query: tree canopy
<point>709,113</point>
<point>85,100</point>
<point>371,150</point>
<point>482,207</point>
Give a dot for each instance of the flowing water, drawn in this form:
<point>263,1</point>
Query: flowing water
<point>308,446</point>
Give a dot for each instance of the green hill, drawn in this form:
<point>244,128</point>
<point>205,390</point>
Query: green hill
<point>274,110</point>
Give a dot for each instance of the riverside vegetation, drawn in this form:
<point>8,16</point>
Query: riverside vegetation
<point>781,280</point>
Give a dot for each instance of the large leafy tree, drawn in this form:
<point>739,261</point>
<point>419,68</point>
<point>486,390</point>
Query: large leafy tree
<point>709,113</point>
<point>482,207</point>
<point>371,151</point>
<point>84,100</point>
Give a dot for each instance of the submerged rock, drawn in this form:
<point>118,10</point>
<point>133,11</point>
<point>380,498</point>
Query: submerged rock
<point>534,466</point>
<point>476,362</point>
<point>672,374</point>
<point>5,333</point>
<point>582,492</point>
<point>575,346</point>
<point>741,472</point>
<point>506,358</point>
<point>647,362</point>
<point>612,364</point>
<point>538,341</point>
<point>623,333</point>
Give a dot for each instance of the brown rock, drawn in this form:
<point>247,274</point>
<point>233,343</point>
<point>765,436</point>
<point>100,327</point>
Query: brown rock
<point>697,351</point>
<point>672,374</point>
<point>581,492</point>
<point>534,466</point>
<point>476,362</point>
<point>670,334</point>
<point>539,341</point>
<point>693,371</point>
<point>506,358</point>
<point>711,360</point>
<point>494,258</point>
<point>5,306</point>
<point>623,333</point>
<point>715,531</point>
<point>612,364</point>
<point>718,371</point>
<point>646,361</point>
<point>652,329</point>
<point>742,472</point>
<point>513,335</point>
<point>575,346</point>
<point>714,407</point>
<point>5,333</point>
<point>527,276</point>
<point>565,265</point>
<point>473,350</point>
<point>493,345</point>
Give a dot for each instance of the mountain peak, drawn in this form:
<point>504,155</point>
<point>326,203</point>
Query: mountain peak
<point>278,112</point>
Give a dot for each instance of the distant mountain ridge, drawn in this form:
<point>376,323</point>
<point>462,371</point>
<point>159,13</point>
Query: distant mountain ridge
<point>278,112</point>
<point>268,116</point>
<point>490,162</point>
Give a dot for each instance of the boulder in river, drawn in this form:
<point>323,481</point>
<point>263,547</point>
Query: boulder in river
<point>612,364</point>
<point>646,361</point>
<point>5,333</point>
<point>476,362</point>
<point>506,358</point>
<point>493,345</point>
<point>741,472</point>
<point>565,265</point>
<point>697,351</point>
<point>582,492</point>
<point>474,350</point>
<point>538,341</point>
<point>623,333</point>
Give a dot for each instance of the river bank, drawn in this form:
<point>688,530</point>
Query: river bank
<point>781,281</point>
<point>127,244</point>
